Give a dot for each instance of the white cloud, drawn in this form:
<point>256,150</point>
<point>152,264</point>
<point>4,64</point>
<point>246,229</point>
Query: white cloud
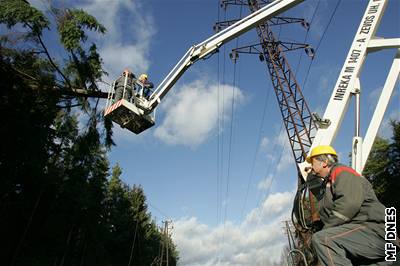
<point>386,130</point>
<point>118,57</point>
<point>129,32</point>
<point>273,205</point>
<point>373,97</point>
<point>286,158</point>
<point>279,151</point>
<point>266,148</point>
<point>256,241</point>
<point>126,43</point>
<point>266,183</point>
<point>192,113</point>
<point>41,5</point>
<point>264,143</point>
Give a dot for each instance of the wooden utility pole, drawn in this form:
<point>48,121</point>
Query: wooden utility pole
<point>165,243</point>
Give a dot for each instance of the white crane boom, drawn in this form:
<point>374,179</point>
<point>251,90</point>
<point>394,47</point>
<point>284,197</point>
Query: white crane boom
<point>137,114</point>
<point>211,45</point>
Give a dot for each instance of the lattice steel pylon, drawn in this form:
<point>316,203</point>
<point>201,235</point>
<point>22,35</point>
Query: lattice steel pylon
<point>297,118</point>
<point>296,115</point>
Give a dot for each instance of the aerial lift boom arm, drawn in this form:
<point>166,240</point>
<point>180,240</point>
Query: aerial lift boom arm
<point>138,114</point>
<point>212,44</point>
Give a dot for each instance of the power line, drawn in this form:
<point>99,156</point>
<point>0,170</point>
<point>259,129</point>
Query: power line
<point>221,138</point>
<point>157,209</point>
<point>306,37</point>
<point>230,143</point>
<point>231,134</point>
<point>272,176</point>
<point>255,153</point>
<point>133,243</point>
<point>231,126</point>
<point>320,41</point>
<point>218,177</point>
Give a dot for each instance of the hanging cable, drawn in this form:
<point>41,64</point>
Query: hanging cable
<point>222,116</point>
<point>231,125</point>
<point>320,41</point>
<point>272,179</point>
<point>230,142</point>
<point>230,138</point>
<point>230,149</point>
<point>266,172</point>
<point>218,176</point>
<point>221,137</point>
<point>256,152</point>
<point>133,244</point>
<point>306,37</point>
<point>161,212</point>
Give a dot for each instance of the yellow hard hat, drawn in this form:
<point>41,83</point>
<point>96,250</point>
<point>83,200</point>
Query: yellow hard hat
<point>322,149</point>
<point>143,76</point>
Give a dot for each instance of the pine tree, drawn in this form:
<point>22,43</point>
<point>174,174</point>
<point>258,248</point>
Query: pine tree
<point>57,205</point>
<point>383,168</point>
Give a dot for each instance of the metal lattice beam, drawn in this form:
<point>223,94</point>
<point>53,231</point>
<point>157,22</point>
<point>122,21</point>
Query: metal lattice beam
<point>296,115</point>
<point>275,21</point>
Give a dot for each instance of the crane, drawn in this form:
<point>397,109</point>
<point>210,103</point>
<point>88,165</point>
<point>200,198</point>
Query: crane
<point>139,115</point>
<point>348,85</point>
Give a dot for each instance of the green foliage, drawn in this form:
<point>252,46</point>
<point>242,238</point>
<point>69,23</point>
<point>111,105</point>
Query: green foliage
<point>71,25</point>
<point>59,205</point>
<point>376,164</point>
<point>82,69</point>
<point>13,12</point>
<point>126,214</point>
<point>383,168</point>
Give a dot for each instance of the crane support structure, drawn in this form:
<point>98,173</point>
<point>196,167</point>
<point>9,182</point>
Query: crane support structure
<point>348,85</point>
<point>296,115</point>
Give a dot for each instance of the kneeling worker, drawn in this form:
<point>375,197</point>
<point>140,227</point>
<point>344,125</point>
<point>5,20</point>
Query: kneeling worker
<point>353,217</point>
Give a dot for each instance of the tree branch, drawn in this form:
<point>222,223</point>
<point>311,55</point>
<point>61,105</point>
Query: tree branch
<point>85,93</point>
<point>49,57</point>
<point>75,92</point>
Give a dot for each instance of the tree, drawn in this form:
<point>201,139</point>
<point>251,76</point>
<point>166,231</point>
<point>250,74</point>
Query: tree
<point>73,80</point>
<point>57,206</point>
<point>134,235</point>
<point>383,168</point>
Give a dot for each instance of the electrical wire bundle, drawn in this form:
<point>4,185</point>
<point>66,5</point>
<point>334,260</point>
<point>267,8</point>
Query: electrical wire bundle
<point>302,211</point>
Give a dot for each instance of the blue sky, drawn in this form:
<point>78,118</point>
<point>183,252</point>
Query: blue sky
<point>197,162</point>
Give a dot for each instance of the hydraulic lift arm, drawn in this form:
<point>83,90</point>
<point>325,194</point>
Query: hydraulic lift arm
<point>211,45</point>
<point>137,114</point>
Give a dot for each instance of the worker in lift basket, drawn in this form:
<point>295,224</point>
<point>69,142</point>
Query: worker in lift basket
<point>145,85</point>
<point>126,78</point>
<point>353,217</point>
